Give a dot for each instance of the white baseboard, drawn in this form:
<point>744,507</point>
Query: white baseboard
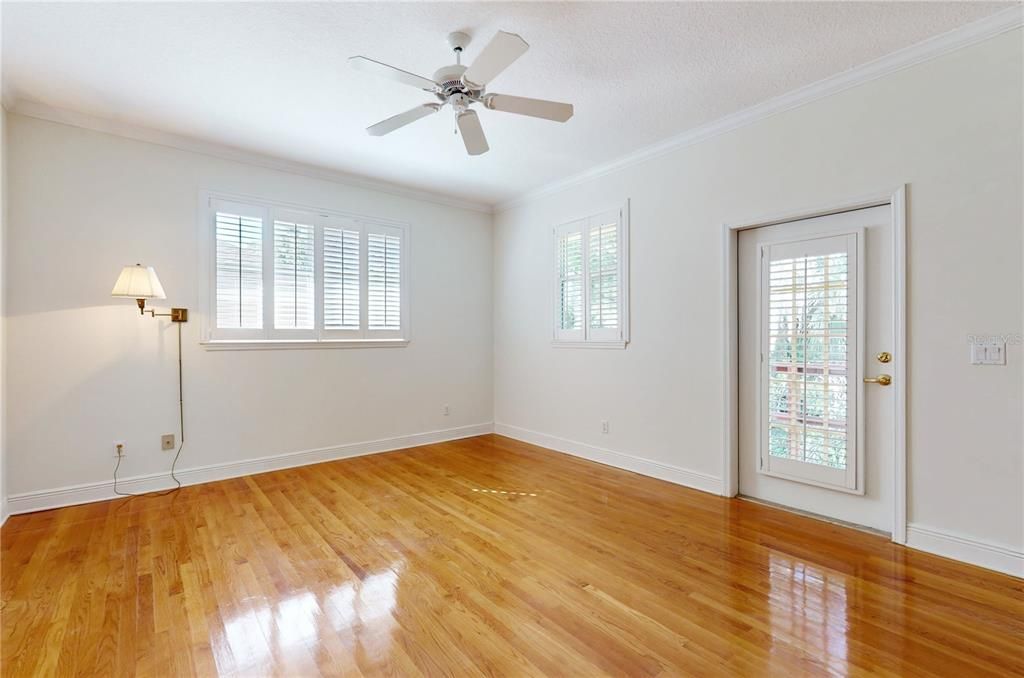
<point>647,467</point>
<point>90,492</point>
<point>966,550</point>
<point>956,547</point>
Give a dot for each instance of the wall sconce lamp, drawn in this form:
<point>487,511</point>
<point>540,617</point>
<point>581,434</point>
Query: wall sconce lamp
<point>140,282</point>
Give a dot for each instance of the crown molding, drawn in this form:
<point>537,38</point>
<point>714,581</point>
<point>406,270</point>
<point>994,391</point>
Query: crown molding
<point>932,48</point>
<point>61,116</point>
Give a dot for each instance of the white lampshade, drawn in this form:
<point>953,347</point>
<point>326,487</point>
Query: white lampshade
<point>138,282</point>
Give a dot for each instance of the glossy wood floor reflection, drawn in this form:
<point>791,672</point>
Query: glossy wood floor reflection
<point>483,556</point>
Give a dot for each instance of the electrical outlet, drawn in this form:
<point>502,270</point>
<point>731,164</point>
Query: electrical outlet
<point>167,442</point>
<point>447,410</point>
<point>119,449</point>
<point>604,426</point>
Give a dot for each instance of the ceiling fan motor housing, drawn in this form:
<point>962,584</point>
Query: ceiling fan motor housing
<point>450,80</point>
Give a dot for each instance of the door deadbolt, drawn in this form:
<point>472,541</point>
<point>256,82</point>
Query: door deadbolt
<point>884,357</point>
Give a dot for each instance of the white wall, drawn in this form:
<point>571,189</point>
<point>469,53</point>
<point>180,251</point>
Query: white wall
<point>86,369</point>
<point>951,129</point>
<point>3,295</point>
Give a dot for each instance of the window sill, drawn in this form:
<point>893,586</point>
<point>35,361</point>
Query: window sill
<point>277,344</point>
<point>589,344</point>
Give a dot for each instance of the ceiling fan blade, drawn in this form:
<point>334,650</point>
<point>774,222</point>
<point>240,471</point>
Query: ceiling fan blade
<point>361,63</point>
<point>503,49</point>
<point>401,120</point>
<point>472,133</point>
<point>536,108</point>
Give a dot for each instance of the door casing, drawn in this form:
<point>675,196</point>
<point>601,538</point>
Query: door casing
<point>896,199</point>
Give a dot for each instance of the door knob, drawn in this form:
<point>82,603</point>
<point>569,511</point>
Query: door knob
<point>881,380</point>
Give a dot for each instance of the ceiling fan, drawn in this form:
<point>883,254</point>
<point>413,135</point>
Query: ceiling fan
<point>461,87</point>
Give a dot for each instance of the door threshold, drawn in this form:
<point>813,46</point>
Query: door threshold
<point>816,516</point>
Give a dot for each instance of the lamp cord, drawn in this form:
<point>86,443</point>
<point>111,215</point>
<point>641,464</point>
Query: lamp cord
<point>181,422</point>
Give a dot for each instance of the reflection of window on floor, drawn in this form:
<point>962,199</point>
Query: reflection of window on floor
<point>807,359</point>
<point>357,611</point>
<point>810,604</point>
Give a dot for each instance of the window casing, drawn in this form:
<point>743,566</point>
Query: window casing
<point>278,275</point>
<point>591,281</point>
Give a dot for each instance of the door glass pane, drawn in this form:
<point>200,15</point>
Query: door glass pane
<point>808,360</point>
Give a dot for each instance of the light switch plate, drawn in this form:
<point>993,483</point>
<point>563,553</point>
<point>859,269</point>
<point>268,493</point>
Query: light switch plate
<point>996,353</point>
<point>991,351</point>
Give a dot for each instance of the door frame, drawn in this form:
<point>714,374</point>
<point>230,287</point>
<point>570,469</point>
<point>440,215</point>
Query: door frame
<point>897,200</point>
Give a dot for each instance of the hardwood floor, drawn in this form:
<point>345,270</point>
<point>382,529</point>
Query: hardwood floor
<point>483,556</point>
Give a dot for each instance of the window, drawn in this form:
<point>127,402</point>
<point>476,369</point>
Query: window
<point>809,337</point>
<point>341,278</point>
<point>239,265</point>
<point>286,276</point>
<point>591,276</point>
<point>293,276</point>
<point>383,281</point>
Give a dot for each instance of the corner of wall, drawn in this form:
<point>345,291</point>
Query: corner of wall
<point>3,311</point>
<point>621,460</point>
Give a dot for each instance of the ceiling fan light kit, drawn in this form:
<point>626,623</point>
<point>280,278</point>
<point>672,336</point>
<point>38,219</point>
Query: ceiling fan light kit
<point>461,86</point>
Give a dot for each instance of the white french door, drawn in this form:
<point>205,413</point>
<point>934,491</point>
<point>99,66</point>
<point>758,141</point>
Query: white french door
<point>815,301</point>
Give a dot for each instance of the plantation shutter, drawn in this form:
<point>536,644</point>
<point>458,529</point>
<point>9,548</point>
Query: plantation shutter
<point>384,280</point>
<point>294,281</point>
<point>569,264</point>
<point>238,269</point>
<point>809,359</point>
<point>318,277</point>
<point>603,274</point>
<point>590,276</point>
<point>341,278</point>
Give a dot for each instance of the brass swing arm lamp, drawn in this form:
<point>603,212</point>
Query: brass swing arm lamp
<point>140,282</point>
<point>177,315</point>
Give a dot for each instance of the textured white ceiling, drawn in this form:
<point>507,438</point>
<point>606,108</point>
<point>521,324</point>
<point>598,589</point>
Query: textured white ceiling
<point>272,78</point>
